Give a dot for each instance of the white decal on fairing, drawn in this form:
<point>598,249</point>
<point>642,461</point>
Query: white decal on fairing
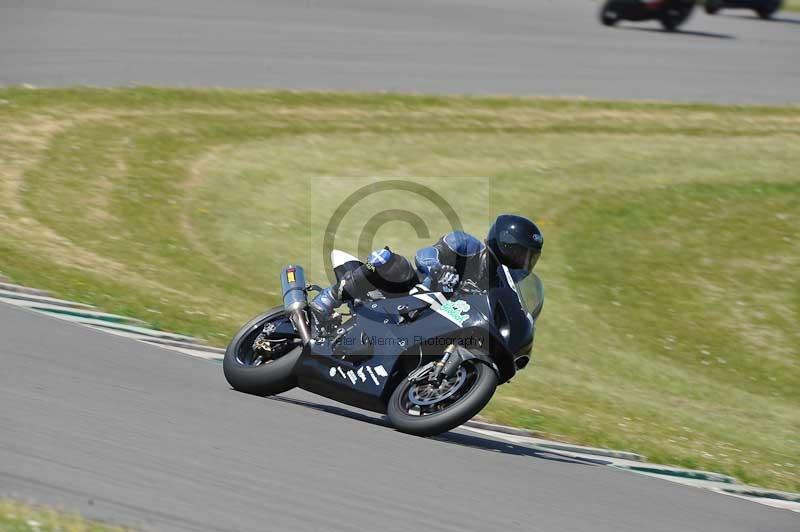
<point>374,374</point>
<point>371,374</point>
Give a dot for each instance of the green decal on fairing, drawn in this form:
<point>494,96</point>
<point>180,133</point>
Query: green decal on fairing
<point>456,310</point>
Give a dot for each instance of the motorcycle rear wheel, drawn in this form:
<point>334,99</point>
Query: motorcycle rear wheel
<point>608,17</point>
<point>245,373</point>
<point>420,412</point>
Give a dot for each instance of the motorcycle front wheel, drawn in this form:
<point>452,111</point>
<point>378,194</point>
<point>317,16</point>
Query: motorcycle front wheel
<point>424,408</point>
<point>249,371</point>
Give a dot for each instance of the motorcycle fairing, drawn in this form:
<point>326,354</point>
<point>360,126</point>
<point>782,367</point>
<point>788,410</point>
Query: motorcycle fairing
<point>386,338</point>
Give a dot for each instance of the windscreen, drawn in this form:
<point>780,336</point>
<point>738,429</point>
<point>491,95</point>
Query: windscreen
<point>530,290</point>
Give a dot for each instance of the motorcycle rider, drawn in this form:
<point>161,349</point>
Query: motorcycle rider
<point>457,257</point>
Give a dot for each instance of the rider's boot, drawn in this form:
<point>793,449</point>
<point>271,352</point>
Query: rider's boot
<point>325,303</point>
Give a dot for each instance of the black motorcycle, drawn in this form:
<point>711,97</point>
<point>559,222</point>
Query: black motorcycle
<point>671,13</point>
<point>429,361</point>
<point>763,8</point>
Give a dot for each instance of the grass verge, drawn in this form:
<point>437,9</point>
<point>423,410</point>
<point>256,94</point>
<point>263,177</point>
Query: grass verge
<point>17,517</point>
<point>671,259</point>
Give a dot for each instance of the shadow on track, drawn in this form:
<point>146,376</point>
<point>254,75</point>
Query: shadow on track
<point>458,438</point>
<point>336,410</point>
<point>778,20</point>
<point>679,32</point>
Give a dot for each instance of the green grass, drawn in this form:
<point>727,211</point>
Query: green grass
<point>671,258</point>
<point>17,517</point>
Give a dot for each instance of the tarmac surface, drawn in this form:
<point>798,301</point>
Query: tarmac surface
<point>523,47</point>
<point>156,440</point>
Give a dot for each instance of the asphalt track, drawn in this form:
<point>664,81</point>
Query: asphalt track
<point>530,47</point>
<point>153,439</point>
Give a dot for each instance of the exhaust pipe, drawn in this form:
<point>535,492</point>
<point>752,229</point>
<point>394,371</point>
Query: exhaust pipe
<point>295,300</point>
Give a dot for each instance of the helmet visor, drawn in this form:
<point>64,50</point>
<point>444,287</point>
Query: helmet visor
<point>518,257</point>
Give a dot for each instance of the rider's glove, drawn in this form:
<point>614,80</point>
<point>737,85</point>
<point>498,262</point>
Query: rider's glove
<point>445,276</point>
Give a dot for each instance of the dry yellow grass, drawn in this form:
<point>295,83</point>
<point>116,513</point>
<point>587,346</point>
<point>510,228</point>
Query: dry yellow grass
<point>18,517</point>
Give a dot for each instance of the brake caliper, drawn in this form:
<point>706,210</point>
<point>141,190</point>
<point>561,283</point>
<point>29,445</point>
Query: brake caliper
<point>264,344</point>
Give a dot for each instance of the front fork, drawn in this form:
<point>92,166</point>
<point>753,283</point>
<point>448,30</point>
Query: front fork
<point>446,366</point>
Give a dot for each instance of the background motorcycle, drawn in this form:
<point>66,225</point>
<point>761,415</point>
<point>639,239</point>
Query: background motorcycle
<point>430,363</point>
<point>671,13</point>
<point>764,8</point>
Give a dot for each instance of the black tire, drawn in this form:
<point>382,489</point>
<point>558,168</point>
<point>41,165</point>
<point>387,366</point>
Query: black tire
<point>767,9</point>
<point>608,17</point>
<point>668,24</point>
<point>454,415</point>
<point>673,18</point>
<point>712,7</point>
<point>272,378</point>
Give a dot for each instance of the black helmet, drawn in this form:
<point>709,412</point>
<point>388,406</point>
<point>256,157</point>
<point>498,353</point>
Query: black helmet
<point>515,241</point>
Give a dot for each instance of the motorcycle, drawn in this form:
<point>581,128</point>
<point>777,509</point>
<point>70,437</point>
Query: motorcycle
<point>671,13</point>
<point>763,8</point>
<point>428,360</point>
